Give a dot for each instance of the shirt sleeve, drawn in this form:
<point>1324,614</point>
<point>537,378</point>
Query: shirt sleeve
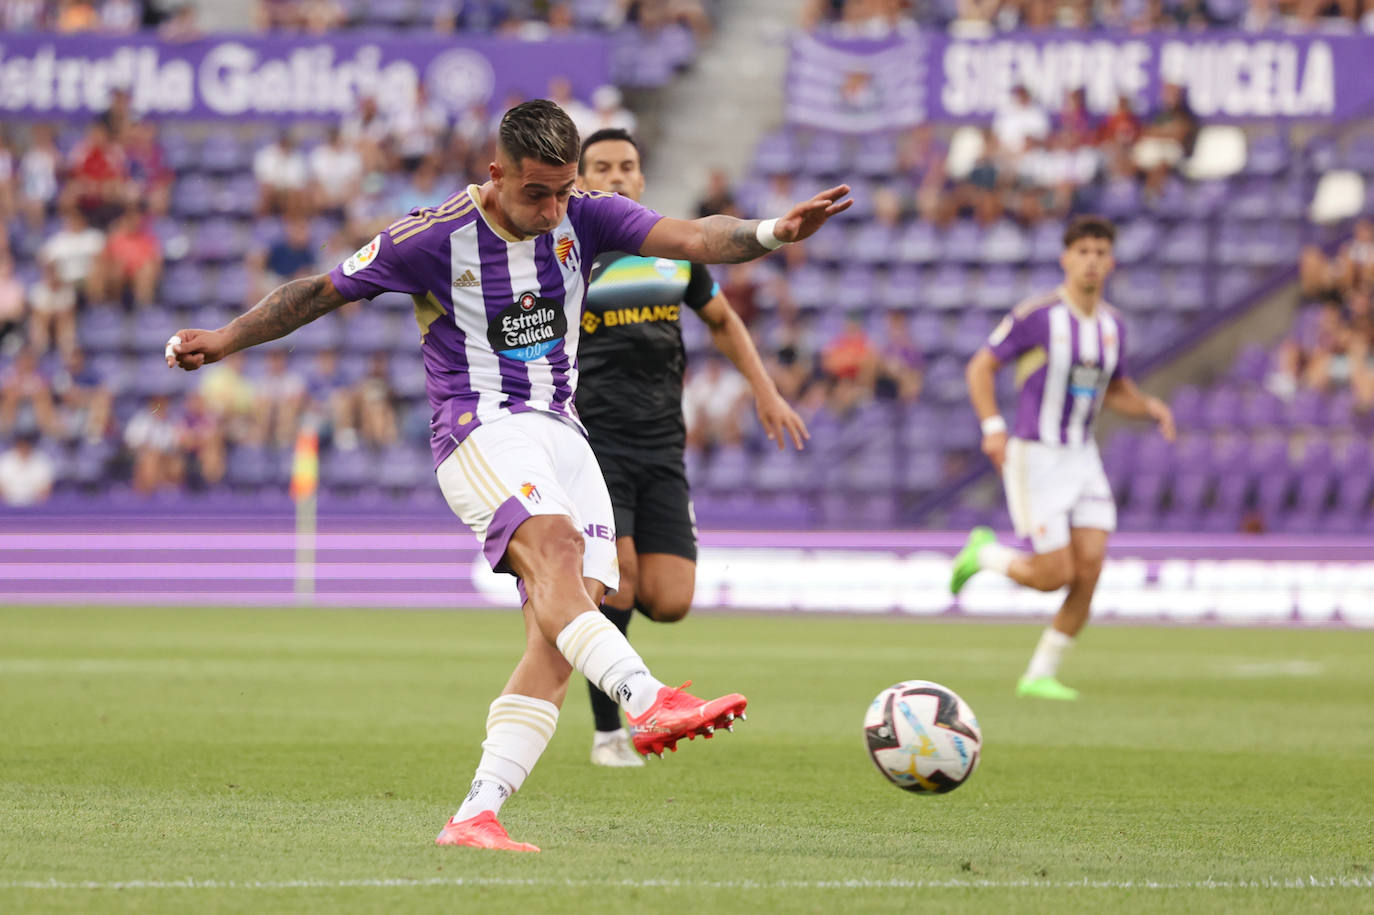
<point>615,223</point>
<point>1012,337</point>
<point>701,288</point>
<point>375,268</point>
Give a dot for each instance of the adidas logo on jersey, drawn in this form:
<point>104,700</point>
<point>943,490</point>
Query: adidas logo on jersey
<point>466,280</point>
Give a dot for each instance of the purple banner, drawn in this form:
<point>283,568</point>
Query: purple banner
<point>1231,580</point>
<point>255,77</point>
<point>868,86</point>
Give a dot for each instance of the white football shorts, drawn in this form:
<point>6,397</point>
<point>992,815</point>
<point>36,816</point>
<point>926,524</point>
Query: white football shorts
<point>1053,488</point>
<point>527,464</point>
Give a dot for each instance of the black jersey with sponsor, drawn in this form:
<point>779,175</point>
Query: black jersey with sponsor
<point>630,353</point>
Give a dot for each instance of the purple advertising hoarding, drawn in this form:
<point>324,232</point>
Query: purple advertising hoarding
<point>253,77</point>
<point>1231,580</point>
<point>855,86</point>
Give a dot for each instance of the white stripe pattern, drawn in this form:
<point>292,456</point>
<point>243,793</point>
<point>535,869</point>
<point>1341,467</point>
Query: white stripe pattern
<point>470,314</point>
<point>1059,359</point>
<point>1081,412</point>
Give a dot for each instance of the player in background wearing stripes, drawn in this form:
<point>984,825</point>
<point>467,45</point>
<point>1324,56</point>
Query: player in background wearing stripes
<point>630,399</point>
<point>1070,353</point>
<point>498,274</point>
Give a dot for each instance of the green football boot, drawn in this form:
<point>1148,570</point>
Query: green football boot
<point>966,563</point>
<point>1045,688</point>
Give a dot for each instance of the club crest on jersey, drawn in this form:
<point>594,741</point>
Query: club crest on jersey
<point>565,249</point>
<point>530,492</point>
<point>362,257</point>
<point>527,329</point>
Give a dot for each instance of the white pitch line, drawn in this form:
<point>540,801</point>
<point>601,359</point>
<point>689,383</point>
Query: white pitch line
<point>1267,883</point>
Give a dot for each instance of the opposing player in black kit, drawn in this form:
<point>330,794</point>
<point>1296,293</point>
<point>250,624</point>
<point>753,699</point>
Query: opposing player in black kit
<point>630,399</point>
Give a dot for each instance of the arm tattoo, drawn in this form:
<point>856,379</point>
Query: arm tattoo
<point>729,240</point>
<point>285,308</point>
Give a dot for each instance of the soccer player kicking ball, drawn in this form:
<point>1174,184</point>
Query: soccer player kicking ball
<point>1070,361</point>
<point>630,399</point>
<point>498,274</point>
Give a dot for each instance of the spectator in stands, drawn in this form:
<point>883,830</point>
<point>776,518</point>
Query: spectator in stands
<point>608,112</point>
<point>26,473</point>
<point>153,439</point>
<point>900,363</point>
<point>281,397</point>
<point>13,309</point>
<point>1121,129</point>
<point>982,190</point>
<point>422,190</point>
<point>76,16</point>
<point>83,401</point>
<point>130,268</point>
<point>287,258</point>
<point>149,174</point>
<point>1354,267</point>
<point>181,23</point>
<point>200,438</point>
<point>1167,138</point>
<point>715,401</point>
<point>38,186</point>
<point>718,197</point>
<point>120,17</point>
<point>1019,121</point>
<point>229,396</point>
<point>336,170</point>
<point>98,176</point>
<point>52,311</point>
<point>366,131</point>
<point>73,250</point>
<point>375,404</point>
<point>8,167</point>
<point>329,404</point>
<point>24,15</point>
<point>850,363</point>
<point>282,174</point>
<point>416,128</point>
<point>791,364</point>
<point>560,92</point>
<point>921,158</point>
<point>26,396</point>
<point>320,17</point>
<point>1074,120</point>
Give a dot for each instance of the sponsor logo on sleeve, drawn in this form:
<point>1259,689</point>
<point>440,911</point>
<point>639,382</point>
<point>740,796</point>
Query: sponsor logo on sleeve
<point>362,257</point>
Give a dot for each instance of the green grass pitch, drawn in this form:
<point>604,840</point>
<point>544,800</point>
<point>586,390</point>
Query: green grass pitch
<point>303,761</point>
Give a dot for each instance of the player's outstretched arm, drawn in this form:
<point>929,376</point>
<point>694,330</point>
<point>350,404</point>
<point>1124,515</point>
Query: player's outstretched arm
<point>727,240</point>
<point>981,375</point>
<point>732,338</point>
<point>284,309</point>
<point>1124,397</point>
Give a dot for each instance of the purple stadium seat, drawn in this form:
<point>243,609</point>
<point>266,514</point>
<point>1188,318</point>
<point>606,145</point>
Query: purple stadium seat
<point>248,466</point>
<point>876,155</point>
<point>920,243</point>
<point>1004,243</point>
<point>192,196</point>
<point>781,471</point>
<point>832,246</point>
<point>857,288</point>
<point>1187,244</point>
<point>825,155</point>
<point>101,329</point>
<point>1120,198</point>
<point>1135,242</point>
<point>407,374</point>
<point>729,470</point>
<point>897,288</point>
<point>370,331</point>
<point>962,241</point>
<point>777,154</point>
<point>347,470</point>
<point>812,285</point>
<point>948,287</point>
<point>921,471</point>
<point>179,152</point>
<point>185,285</point>
<point>999,290</point>
<point>1220,408</point>
<point>874,243</point>
<point>1307,410</point>
<point>1187,404</point>
<point>225,152</point>
<point>1047,242</point>
<point>1145,491</point>
<point>1252,364</point>
<point>1187,291</point>
<point>1206,198</point>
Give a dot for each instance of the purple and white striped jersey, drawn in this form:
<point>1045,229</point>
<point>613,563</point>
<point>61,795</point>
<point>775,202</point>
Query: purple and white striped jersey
<point>499,316</point>
<point>1064,362</point>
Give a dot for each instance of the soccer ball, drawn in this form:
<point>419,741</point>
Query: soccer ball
<point>923,737</point>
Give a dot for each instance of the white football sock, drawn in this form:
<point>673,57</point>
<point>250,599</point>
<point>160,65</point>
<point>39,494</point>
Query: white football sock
<point>518,730</point>
<point>996,557</point>
<point>1048,653</point>
<point>598,650</point>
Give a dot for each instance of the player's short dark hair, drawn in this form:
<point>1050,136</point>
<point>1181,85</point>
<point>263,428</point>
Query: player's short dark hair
<point>541,130</point>
<point>600,136</point>
<point>1089,227</point>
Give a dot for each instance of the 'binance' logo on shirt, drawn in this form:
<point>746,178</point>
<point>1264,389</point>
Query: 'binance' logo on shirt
<point>590,322</point>
<point>618,317</point>
<point>467,280</point>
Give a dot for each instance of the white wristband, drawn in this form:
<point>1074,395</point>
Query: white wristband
<point>764,233</point>
<point>993,425</point>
